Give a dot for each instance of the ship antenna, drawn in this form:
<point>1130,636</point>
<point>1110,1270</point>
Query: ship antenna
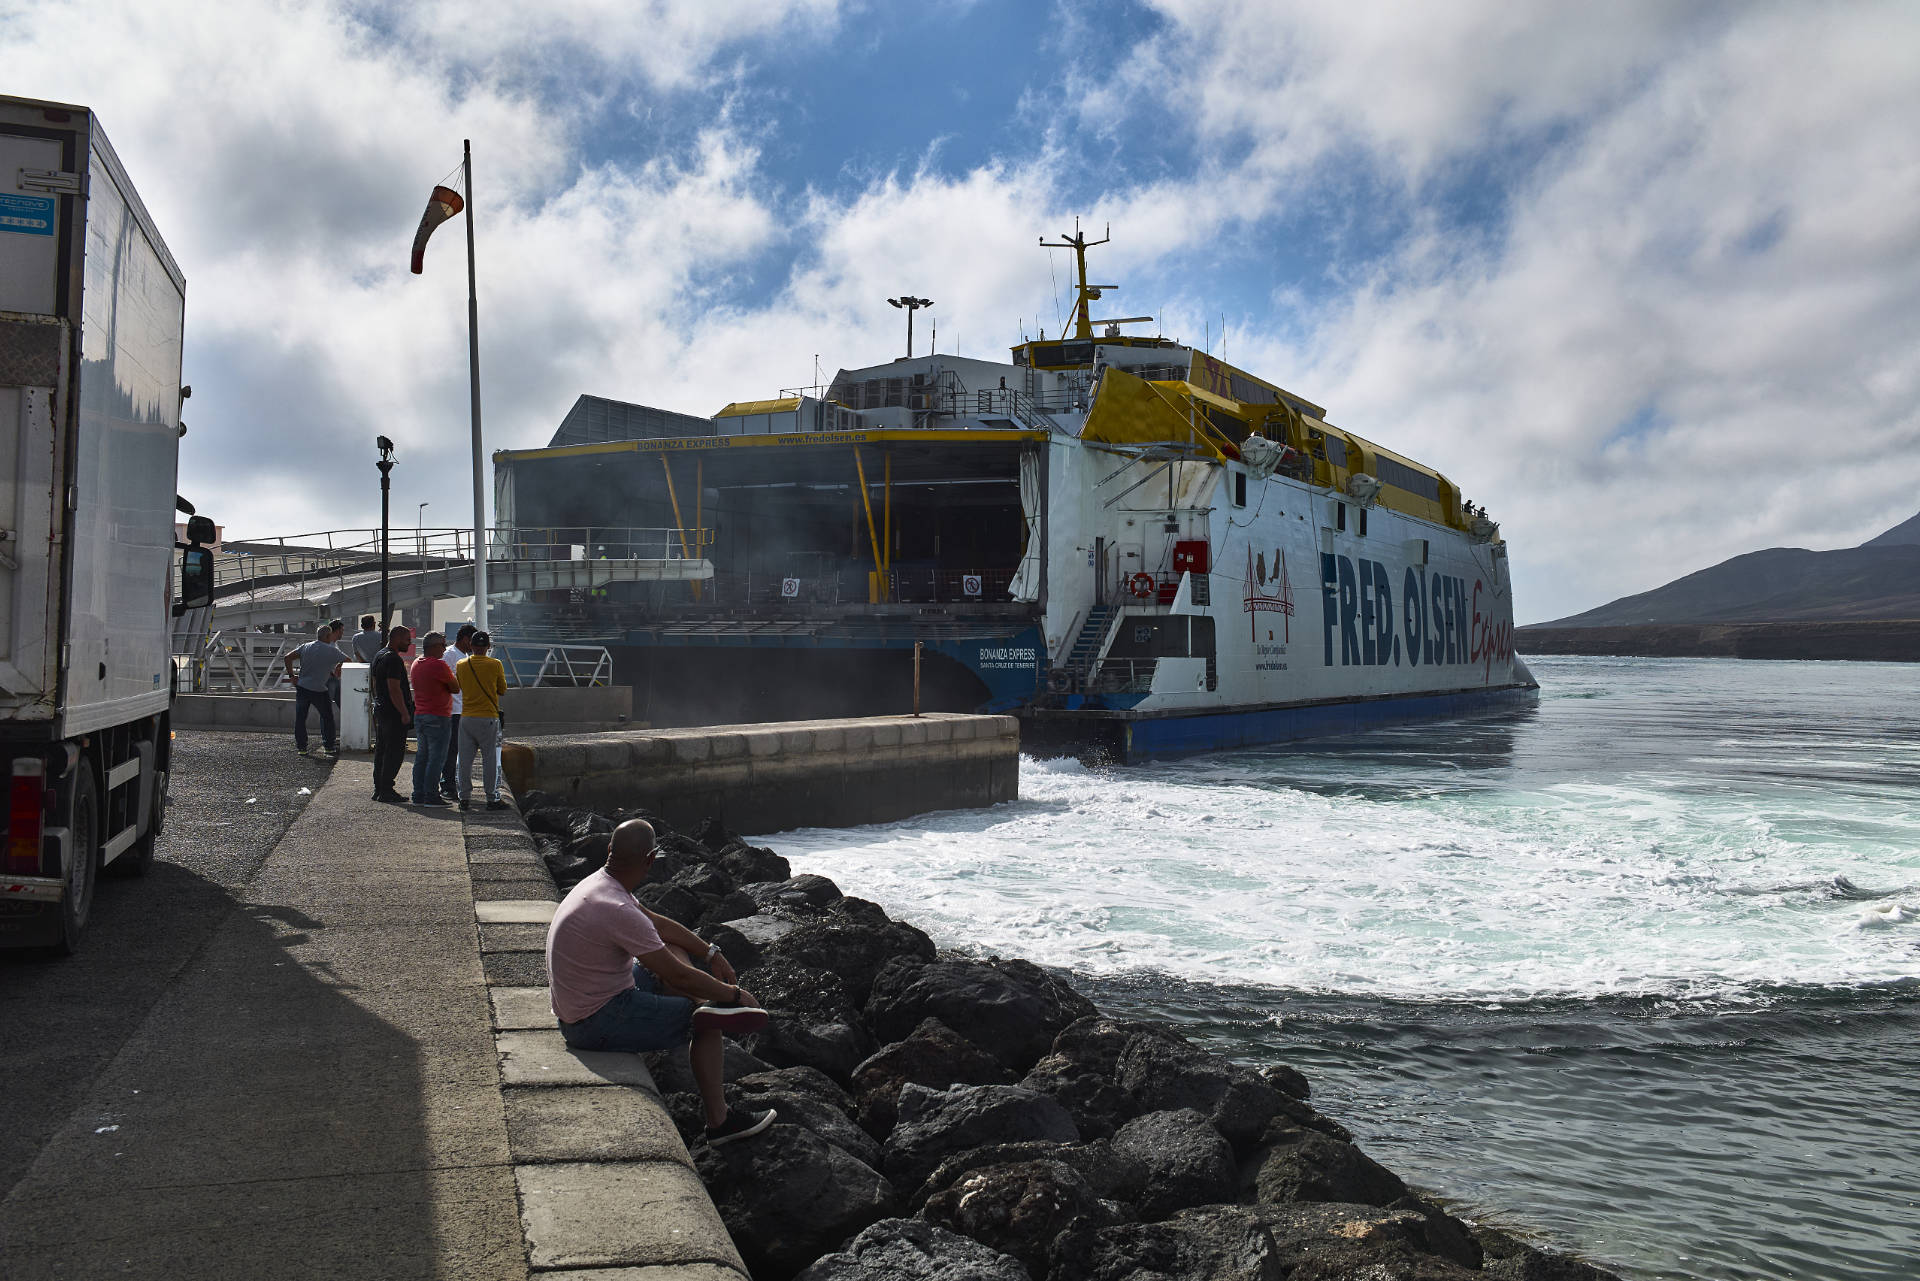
<point>1078,242</point>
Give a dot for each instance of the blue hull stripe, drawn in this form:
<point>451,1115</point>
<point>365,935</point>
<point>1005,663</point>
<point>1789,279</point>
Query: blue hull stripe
<point>1177,735</point>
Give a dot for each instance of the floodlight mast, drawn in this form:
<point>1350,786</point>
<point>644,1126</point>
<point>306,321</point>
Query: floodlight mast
<point>911,304</point>
<point>1082,315</point>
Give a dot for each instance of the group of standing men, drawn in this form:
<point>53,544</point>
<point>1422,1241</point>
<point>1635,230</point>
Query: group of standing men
<point>452,708</point>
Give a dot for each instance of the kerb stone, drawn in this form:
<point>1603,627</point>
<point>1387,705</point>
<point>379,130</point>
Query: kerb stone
<point>542,1059</point>
<point>601,1216</point>
<point>514,912</point>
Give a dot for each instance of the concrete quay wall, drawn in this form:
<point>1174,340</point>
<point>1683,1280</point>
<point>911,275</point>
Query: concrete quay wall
<point>769,777</point>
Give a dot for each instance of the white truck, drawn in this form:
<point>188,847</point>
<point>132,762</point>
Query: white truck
<point>92,308</point>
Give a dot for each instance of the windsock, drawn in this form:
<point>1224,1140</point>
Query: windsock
<point>443,204</point>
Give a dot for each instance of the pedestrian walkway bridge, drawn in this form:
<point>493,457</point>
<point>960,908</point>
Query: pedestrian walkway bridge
<point>270,593</point>
<point>337,573</point>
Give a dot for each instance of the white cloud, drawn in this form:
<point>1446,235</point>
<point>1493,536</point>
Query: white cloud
<point>287,152</point>
<point>1696,336</point>
<point>1692,333</point>
<point>666,44</point>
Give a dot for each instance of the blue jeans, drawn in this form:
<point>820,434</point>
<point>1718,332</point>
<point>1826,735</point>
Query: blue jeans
<point>637,1020</point>
<point>303,698</point>
<point>429,754</point>
<point>449,780</point>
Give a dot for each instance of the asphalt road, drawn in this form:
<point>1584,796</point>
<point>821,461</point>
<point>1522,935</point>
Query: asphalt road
<point>232,797</point>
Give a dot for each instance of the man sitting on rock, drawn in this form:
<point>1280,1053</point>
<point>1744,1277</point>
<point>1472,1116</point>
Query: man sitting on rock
<point>622,978</point>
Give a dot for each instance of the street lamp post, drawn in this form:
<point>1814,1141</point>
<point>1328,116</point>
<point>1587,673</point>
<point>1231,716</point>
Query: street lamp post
<point>911,304</point>
<point>419,530</point>
<point>386,492</point>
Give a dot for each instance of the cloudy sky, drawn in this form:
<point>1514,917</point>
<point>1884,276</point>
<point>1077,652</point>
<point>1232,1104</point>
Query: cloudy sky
<point>1644,278</point>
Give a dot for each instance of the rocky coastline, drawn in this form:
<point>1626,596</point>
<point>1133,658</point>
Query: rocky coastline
<point>976,1119</point>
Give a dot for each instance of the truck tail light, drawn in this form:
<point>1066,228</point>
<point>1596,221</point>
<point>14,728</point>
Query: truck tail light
<point>26,800</point>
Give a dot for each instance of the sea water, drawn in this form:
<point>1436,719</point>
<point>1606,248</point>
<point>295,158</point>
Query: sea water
<point>1633,972</point>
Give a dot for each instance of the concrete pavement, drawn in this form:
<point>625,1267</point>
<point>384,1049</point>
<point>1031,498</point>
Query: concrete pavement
<point>316,1095</point>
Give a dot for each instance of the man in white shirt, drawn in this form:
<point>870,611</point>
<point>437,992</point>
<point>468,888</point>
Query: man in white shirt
<point>450,777</point>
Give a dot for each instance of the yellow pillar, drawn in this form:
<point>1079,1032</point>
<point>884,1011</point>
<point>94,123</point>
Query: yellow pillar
<point>877,591</point>
<point>699,524</point>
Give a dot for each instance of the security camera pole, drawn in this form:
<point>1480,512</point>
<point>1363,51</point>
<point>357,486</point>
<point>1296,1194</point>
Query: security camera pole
<point>386,492</point>
<point>912,305</point>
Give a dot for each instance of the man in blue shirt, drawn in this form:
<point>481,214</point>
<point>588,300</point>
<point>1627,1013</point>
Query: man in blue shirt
<point>319,663</point>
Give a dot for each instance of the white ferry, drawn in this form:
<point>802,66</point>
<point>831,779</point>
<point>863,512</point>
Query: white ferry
<point>1136,547</point>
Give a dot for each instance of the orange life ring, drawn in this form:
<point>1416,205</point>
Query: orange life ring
<point>1141,584</point>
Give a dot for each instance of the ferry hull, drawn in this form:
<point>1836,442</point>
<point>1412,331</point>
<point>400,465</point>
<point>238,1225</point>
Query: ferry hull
<point>1129,738</point>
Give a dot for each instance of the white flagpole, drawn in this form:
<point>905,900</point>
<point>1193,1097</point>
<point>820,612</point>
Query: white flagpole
<point>473,361</point>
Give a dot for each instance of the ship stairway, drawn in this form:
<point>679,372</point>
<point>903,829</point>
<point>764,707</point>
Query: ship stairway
<point>1028,415</point>
<point>1085,651</point>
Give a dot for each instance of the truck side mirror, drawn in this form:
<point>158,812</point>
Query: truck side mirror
<point>196,578</point>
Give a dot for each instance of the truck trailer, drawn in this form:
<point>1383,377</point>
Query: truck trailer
<point>92,310</point>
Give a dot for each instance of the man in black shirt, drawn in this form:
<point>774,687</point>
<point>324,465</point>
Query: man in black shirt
<point>392,714</point>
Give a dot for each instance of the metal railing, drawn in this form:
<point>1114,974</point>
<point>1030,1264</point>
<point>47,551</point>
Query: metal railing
<point>551,663</point>
<point>325,559</point>
<point>239,660</point>
<point>235,660</point>
<point>849,586</point>
<point>1123,675</point>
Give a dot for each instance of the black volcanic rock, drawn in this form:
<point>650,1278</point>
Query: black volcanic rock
<point>936,1124</point>
<point>1310,1166</point>
<point>1258,1243</point>
<point>855,951</point>
<point>749,864</point>
<point>1021,1208</point>
<point>1183,1161</point>
<point>1510,1259</point>
<point>788,1196</point>
<point>935,1056</point>
<point>813,1023</point>
<point>1011,1009</point>
<point>914,1250</point>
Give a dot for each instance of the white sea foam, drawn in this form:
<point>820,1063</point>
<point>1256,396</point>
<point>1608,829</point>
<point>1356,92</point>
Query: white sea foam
<point>1881,915</point>
<point>1577,852</point>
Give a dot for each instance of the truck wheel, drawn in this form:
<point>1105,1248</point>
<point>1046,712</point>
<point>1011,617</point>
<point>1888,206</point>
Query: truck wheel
<point>83,858</point>
<point>138,857</point>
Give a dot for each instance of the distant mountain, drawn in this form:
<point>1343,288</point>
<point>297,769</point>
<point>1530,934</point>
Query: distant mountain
<point>1878,579</point>
<point>1905,534</point>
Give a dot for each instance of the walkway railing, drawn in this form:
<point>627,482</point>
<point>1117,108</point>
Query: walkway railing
<point>322,561</point>
<point>239,660</point>
<point>530,663</point>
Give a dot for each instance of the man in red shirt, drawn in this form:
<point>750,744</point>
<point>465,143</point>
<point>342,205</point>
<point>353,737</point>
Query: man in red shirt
<point>622,978</point>
<point>433,688</point>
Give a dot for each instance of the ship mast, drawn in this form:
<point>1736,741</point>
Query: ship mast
<point>1082,310</point>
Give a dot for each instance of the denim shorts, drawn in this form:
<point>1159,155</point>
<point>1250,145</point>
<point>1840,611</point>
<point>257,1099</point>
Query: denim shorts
<point>637,1020</point>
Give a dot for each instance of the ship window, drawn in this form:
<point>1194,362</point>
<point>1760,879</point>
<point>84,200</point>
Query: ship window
<point>1249,392</point>
<point>1363,522</point>
<point>1340,516</point>
<point>1414,481</point>
<point>1336,451</point>
<point>1239,489</point>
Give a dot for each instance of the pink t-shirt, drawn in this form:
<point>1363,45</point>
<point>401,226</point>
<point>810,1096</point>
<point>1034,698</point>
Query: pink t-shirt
<point>596,935</point>
<point>430,677</point>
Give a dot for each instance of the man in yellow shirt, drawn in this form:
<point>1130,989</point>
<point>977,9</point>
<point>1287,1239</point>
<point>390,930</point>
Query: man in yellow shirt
<point>483,681</point>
